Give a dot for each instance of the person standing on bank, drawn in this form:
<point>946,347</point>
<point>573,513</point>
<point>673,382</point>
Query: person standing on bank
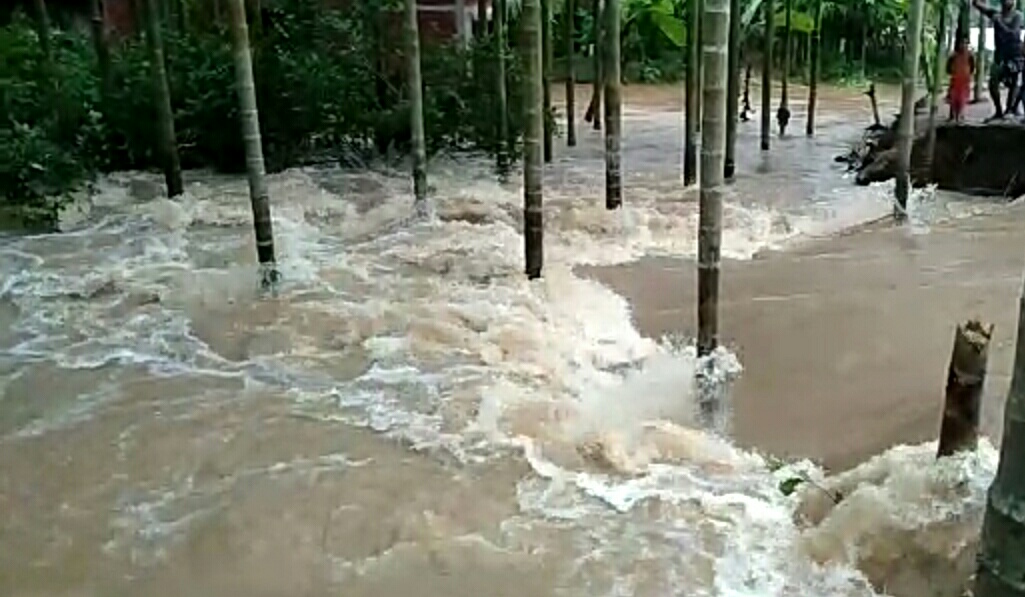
<point>960,67</point>
<point>1007,60</point>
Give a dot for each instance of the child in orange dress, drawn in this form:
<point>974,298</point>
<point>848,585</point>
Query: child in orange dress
<point>960,67</point>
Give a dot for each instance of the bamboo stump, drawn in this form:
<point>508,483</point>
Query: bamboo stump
<point>871,93</point>
<point>965,378</point>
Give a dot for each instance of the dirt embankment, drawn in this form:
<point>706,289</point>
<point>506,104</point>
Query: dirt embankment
<point>975,158</point>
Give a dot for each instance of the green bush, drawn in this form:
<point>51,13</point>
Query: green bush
<point>51,136</point>
<point>319,90</point>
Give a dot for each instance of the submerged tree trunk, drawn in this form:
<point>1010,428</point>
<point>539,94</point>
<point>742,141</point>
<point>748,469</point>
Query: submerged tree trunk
<point>715,35</point>
<point>571,78</point>
<point>259,195</point>
<point>691,116</point>
<point>101,47</point>
<point>783,113</point>
<point>503,99</point>
<point>813,84</point>
<point>906,126</point>
<point>546,66</point>
<point>533,170</point>
<point>1001,561</point>
<point>732,91</point>
<point>593,114</point>
<point>770,35</point>
<point>613,175</point>
<point>416,109</point>
<point>980,61</point>
<point>966,377</point>
<point>162,99</point>
<point>939,67</point>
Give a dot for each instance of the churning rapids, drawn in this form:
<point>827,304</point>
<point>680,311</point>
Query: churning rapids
<point>410,416</point>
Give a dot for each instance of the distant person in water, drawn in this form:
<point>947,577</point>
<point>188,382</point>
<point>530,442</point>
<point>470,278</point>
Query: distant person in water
<point>1007,60</point>
<point>960,67</point>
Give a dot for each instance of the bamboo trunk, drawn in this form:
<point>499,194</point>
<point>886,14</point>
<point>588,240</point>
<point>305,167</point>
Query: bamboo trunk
<point>715,52</point>
<point>813,84</point>
<point>871,93</point>
<point>102,48</point>
<point>43,32</point>
<point>770,35</point>
<point>747,92</point>
<point>546,66</point>
<point>966,377</point>
<point>533,169</point>
<point>593,113</point>
<point>166,138</point>
<point>691,116</point>
<point>503,99</point>
<point>1001,560</point>
<point>732,91</point>
<point>416,109</point>
<point>259,195</point>
<point>783,113</point>
<point>934,92</point>
<point>906,126</point>
<point>571,79</point>
<point>613,123</point>
<point>461,33</point>
<point>980,61</point>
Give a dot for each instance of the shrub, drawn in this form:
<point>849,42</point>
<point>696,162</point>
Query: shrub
<point>320,90</point>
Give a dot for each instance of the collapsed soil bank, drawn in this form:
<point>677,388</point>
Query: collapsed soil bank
<point>973,158</point>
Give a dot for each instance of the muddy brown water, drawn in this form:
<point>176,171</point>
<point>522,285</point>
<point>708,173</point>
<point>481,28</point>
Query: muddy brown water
<point>409,417</point>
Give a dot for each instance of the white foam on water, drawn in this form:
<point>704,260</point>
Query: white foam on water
<point>429,332</point>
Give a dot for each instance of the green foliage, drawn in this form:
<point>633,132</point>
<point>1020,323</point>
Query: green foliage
<point>50,129</point>
<point>325,88</point>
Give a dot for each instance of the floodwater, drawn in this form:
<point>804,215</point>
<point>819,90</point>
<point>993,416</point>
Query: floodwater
<point>410,416</point>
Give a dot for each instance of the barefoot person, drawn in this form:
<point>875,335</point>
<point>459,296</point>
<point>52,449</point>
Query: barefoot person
<point>1007,63</point>
<point>960,67</point>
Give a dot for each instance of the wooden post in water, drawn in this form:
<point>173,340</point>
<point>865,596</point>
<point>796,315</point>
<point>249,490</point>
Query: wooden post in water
<point>965,379</point>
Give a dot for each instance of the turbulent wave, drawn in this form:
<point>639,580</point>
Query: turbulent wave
<point>428,332</point>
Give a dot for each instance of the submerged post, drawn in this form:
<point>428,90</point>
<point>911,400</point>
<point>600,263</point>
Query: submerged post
<point>965,379</point>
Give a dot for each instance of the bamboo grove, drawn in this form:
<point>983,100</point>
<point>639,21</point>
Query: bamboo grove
<point>717,43</point>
